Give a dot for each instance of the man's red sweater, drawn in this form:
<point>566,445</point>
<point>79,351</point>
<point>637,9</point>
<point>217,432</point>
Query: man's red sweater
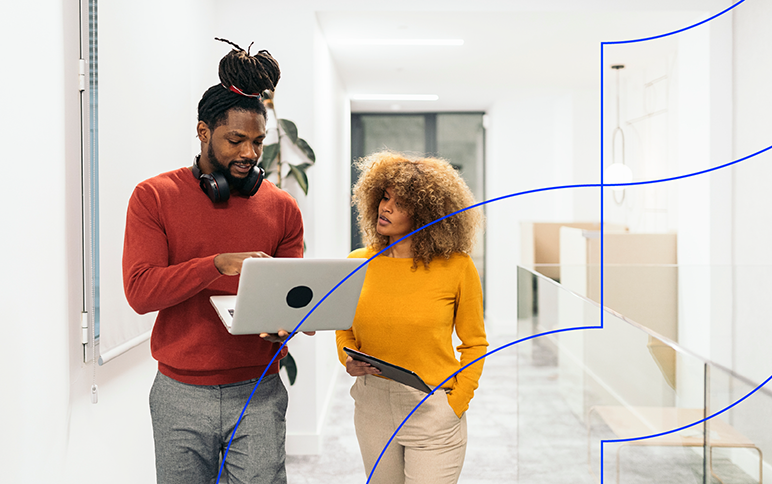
<point>173,233</point>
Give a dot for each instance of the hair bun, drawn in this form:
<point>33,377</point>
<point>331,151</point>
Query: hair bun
<point>251,74</point>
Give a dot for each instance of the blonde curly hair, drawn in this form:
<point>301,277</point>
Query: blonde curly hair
<point>427,189</point>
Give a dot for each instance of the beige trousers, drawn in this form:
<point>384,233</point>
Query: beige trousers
<point>428,449</point>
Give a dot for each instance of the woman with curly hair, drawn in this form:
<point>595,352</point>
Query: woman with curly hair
<point>416,293</point>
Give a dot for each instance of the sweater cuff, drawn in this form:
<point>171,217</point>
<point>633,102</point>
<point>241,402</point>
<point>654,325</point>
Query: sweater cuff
<point>458,402</point>
<point>212,270</point>
<point>344,339</point>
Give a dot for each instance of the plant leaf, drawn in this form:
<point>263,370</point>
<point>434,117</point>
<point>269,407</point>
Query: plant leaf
<point>306,149</point>
<point>288,362</point>
<point>300,176</point>
<point>289,129</point>
<point>269,156</point>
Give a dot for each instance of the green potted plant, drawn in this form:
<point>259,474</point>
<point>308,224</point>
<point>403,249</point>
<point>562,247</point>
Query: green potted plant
<point>289,150</point>
<point>289,156</point>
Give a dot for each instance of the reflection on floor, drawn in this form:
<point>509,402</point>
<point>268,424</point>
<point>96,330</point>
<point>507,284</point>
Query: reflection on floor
<point>551,441</point>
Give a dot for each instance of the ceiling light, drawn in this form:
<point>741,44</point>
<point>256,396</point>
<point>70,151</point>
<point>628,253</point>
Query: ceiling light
<point>399,41</point>
<point>394,97</point>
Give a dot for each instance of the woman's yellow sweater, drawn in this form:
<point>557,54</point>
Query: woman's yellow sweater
<point>407,316</point>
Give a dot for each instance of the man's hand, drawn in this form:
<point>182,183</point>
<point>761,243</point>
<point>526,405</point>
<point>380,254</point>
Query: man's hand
<point>359,368</point>
<point>230,264</point>
<point>281,336</point>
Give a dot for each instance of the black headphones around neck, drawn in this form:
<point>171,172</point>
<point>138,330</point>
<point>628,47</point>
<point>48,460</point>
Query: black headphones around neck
<point>216,186</point>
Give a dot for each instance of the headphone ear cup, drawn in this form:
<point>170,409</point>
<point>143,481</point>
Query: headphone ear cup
<point>215,186</point>
<point>253,181</point>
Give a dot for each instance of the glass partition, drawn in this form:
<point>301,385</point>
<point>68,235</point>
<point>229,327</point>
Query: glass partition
<point>740,438</point>
<point>588,396</point>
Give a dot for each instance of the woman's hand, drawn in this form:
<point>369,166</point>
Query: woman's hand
<point>359,368</point>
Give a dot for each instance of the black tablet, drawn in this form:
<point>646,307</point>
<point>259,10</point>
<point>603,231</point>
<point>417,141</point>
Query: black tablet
<point>393,372</point>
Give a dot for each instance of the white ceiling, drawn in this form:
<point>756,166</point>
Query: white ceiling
<point>503,50</point>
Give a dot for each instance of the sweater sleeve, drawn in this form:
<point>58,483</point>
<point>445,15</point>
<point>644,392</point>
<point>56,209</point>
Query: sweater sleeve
<point>346,337</point>
<point>149,282</point>
<point>291,244</point>
<point>470,329</point>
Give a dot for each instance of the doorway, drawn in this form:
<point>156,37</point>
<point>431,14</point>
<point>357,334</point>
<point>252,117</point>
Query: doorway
<point>457,137</point>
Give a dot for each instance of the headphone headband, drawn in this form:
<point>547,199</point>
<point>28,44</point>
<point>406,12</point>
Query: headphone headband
<point>195,169</point>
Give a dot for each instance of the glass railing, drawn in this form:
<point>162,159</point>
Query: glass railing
<point>619,404</point>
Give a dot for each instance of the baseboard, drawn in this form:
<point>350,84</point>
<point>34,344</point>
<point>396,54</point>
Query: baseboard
<point>311,443</point>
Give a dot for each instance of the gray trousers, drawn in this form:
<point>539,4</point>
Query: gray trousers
<point>192,425</point>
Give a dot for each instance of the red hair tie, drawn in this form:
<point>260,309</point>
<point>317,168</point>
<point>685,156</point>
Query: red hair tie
<point>239,91</point>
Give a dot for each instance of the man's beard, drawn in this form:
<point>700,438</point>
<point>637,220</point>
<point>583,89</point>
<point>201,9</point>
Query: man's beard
<point>234,183</point>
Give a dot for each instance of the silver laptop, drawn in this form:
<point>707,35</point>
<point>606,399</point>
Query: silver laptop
<point>276,294</point>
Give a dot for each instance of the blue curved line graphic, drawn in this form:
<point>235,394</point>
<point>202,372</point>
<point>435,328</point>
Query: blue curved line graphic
<point>602,442</point>
<point>591,185</point>
<point>675,31</point>
<point>485,202</point>
<point>602,210</point>
<point>688,175</point>
<point>602,77</point>
<point>693,423</point>
<point>564,330</point>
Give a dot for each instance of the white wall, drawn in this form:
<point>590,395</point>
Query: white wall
<point>529,142</point>
<point>648,112</point>
<point>148,90</point>
<point>586,154</point>
<point>330,197</point>
<point>694,133</point>
<point>149,86</point>
<point>34,294</point>
<point>716,103</point>
<point>752,231</point>
<point>675,109</point>
<point>332,143</point>
<point>59,436</point>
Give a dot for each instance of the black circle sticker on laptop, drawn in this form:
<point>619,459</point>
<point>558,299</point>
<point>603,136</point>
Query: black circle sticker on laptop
<point>299,296</point>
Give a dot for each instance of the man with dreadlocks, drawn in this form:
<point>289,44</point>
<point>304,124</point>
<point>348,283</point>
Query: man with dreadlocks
<point>180,248</point>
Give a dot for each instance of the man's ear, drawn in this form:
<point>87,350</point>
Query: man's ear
<point>203,132</point>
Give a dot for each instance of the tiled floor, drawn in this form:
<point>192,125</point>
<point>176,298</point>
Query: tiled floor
<point>491,422</point>
<point>552,441</point>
